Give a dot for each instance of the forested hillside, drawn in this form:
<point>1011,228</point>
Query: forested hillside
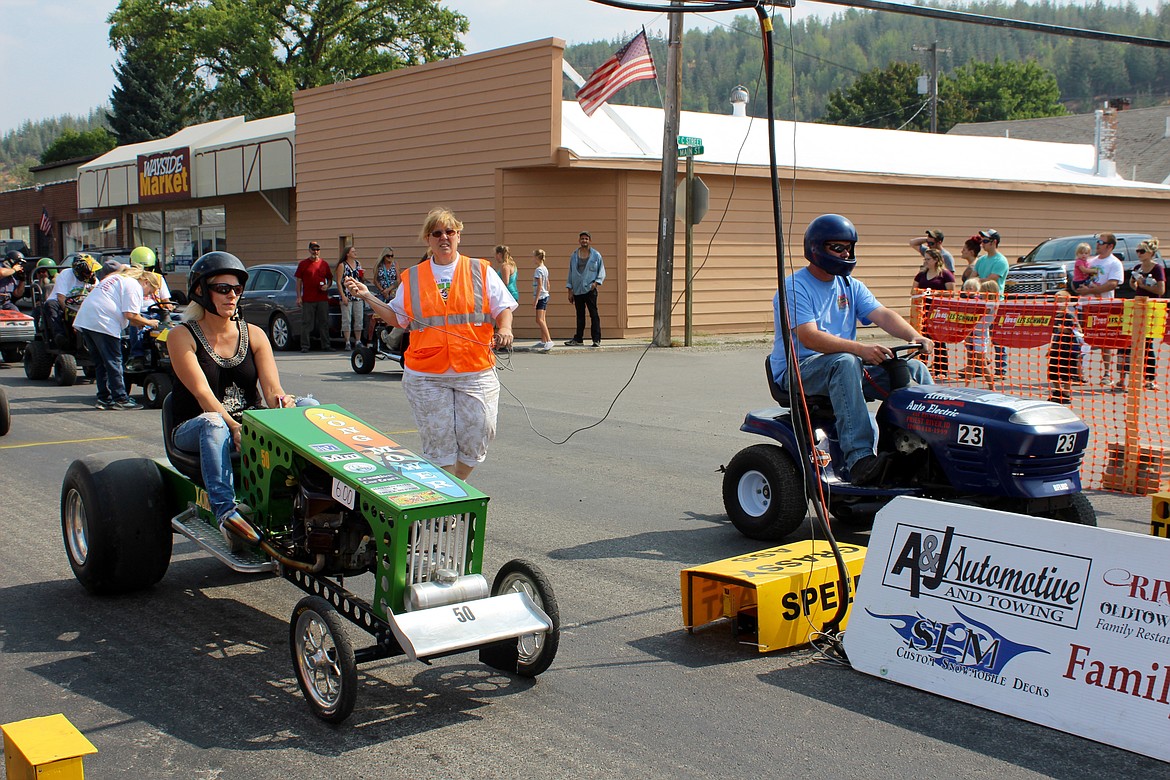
<point>22,148</point>
<point>817,56</point>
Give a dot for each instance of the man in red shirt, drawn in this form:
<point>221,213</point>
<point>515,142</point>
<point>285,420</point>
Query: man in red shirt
<point>313,279</point>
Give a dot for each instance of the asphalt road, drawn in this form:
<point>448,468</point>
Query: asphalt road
<point>193,678</point>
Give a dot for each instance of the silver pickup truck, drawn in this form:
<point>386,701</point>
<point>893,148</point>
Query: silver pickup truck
<point>1049,267</point>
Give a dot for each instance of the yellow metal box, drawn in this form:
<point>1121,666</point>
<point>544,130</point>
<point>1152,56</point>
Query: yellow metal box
<point>777,597</point>
<point>1160,515</point>
<point>48,748</point>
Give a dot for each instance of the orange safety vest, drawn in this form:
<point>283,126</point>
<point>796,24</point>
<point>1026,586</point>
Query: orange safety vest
<point>452,334</point>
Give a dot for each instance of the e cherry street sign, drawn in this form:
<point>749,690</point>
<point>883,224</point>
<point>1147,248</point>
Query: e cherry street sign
<point>689,146</point>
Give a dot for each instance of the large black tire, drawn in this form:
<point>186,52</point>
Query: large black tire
<point>38,362</point>
<point>1080,512</point>
<point>362,360</point>
<point>65,370</point>
<point>531,654</point>
<point>155,387</point>
<point>763,493</point>
<point>5,414</point>
<point>323,658</point>
<point>115,523</point>
<point>280,333</point>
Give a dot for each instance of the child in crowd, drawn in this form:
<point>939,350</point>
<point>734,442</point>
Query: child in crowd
<point>978,344</point>
<point>1083,271</point>
<point>540,295</point>
<point>1064,351</point>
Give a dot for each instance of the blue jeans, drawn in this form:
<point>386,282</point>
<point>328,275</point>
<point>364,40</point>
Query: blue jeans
<point>849,384</point>
<point>106,351</point>
<point>209,435</point>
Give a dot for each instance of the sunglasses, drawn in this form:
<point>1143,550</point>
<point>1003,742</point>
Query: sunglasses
<point>985,241</point>
<point>838,248</point>
<point>1142,251</point>
<point>385,256</point>
<point>226,289</point>
<point>449,232</point>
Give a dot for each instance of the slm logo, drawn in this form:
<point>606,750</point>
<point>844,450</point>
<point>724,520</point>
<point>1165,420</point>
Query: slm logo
<point>964,645</point>
<point>325,447</point>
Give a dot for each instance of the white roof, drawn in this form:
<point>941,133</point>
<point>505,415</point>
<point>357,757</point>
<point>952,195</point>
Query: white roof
<point>193,136</point>
<point>730,139</point>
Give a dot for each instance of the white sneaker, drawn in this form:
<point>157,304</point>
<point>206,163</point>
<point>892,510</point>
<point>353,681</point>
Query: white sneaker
<point>544,346</point>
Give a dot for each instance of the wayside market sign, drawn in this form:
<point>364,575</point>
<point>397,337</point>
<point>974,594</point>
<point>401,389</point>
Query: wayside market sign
<point>1059,624</point>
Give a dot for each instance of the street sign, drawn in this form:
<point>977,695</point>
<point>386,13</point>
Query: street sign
<point>702,200</point>
<point>690,151</point>
<point>686,140</point>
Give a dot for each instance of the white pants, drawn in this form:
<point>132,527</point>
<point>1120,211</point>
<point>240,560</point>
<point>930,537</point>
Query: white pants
<point>455,414</point>
<point>351,314</point>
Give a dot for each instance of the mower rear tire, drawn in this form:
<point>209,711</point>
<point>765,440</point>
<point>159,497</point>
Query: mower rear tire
<point>38,362</point>
<point>763,494</point>
<point>1079,512</point>
<point>114,522</point>
<point>323,658</point>
<point>531,654</point>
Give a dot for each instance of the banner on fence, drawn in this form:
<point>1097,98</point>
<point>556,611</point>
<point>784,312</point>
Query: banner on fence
<point>1105,323</point>
<point>951,320</point>
<point>1023,325</point>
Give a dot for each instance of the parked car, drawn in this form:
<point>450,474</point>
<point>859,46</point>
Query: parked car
<point>270,302</point>
<point>1049,266</point>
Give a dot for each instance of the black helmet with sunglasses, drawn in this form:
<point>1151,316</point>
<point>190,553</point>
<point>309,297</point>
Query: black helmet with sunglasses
<point>829,228</point>
<point>212,264</point>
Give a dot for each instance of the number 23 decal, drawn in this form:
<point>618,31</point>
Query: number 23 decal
<point>1065,443</point>
<point>971,435</point>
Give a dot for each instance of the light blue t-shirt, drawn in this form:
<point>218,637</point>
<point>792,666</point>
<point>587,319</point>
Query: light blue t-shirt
<point>540,282</point>
<point>835,306</point>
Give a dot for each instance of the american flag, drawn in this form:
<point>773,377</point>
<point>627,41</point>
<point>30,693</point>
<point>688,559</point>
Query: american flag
<point>631,63</point>
<point>46,223</point>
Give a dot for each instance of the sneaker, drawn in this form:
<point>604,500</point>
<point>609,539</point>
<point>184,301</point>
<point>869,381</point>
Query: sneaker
<point>869,470</point>
<point>595,344</point>
<point>103,406</point>
<point>235,524</point>
<point>304,350</point>
<point>574,343</point>
<point>129,403</point>
<point>543,346</point>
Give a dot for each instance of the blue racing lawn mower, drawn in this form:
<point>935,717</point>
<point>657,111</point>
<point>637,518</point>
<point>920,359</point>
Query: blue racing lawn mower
<point>959,444</point>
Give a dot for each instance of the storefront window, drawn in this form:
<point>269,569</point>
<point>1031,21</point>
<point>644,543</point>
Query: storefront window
<point>180,236</point>
<point>17,232</point>
<point>90,234</point>
<point>147,230</point>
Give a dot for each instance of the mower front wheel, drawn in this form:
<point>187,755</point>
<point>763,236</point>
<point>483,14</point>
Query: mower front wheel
<point>1080,512</point>
<point>323,658</point>
<point>65,370</point>
<point>362,360</point>
<point>762,493</point>
<point>531,654</point>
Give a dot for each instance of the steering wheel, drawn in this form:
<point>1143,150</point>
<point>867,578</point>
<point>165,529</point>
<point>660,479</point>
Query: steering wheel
<point>907,351</point>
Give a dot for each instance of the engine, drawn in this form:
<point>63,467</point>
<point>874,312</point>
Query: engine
<point>325,530</point>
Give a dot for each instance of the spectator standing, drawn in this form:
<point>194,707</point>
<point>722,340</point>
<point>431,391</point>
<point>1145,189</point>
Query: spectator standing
<point>586,275</point>
<point>935,277</point>
<point>1064,351</point>
<point>313,279</point>
<point>540,296</point>
<point>11,279</point>
<point>506,268</point>
<point>993,267</point>
<point>1109,274</point>
<point>970,253</point>
<point>386,275</point>
<point>352,308</point>
<point>1147,280</point>
<point>933,240</point>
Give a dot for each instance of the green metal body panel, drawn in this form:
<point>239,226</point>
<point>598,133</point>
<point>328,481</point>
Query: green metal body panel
<point>390,486</point>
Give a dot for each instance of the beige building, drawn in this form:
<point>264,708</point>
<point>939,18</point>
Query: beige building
<point>490,136</point>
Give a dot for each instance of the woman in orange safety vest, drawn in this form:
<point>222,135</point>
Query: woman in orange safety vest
<point>451,304</point>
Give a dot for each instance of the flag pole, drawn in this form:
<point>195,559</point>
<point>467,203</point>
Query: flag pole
<point>656,84</point>
<point>664,275</point>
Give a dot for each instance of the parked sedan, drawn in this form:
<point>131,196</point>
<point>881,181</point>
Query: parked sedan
<point>270,302</point>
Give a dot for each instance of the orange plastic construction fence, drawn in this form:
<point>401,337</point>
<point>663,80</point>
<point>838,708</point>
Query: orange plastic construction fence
<point>1100,357</point>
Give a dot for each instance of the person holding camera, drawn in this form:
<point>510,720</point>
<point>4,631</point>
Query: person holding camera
<point>11,279</point>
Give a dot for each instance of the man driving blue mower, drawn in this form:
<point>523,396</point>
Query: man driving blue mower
<point>824,305</point>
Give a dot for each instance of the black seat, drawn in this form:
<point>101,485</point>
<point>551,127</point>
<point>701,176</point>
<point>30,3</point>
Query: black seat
<point>187,463</point>
<point>819,406</point>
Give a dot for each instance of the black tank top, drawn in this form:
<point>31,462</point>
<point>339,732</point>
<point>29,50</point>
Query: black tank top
<point>234,380</point>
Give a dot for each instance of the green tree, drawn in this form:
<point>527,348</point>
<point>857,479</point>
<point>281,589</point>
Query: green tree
<point>885,97</point>
<point>72,143</point>
<point>992,91</point>
<point>249,56</point>
<point>148,102</point>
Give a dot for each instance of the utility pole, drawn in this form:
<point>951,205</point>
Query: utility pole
<point>934,50</point>
<point>664,277</point>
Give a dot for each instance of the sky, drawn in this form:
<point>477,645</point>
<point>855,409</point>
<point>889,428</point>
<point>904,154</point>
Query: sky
<point>73,73</point>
